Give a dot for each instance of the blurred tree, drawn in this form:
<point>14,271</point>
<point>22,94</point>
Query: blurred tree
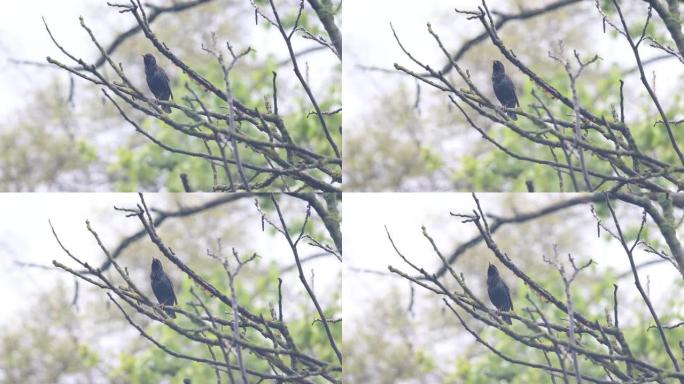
<point>87,339</point>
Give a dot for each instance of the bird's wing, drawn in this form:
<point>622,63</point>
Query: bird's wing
<point>508,296</point>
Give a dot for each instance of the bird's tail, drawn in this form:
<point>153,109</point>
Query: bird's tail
<point>505,318</point>
<point>512,115</point>
<point>167,109</point>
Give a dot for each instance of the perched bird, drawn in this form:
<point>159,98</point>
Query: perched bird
<point>162,287</point>
<point>157,80</point>
<point>504,89</point>
<point>498,292</point>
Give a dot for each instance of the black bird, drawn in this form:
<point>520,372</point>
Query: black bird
<point>162,287</point>
<point>499,293</point>
<point>504,89</point>
<point>157,80</point>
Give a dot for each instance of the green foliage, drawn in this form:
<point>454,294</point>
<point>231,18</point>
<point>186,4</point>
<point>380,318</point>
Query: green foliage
<point>38,147</point>
<point>151,167</point>
<point>379,350</point>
